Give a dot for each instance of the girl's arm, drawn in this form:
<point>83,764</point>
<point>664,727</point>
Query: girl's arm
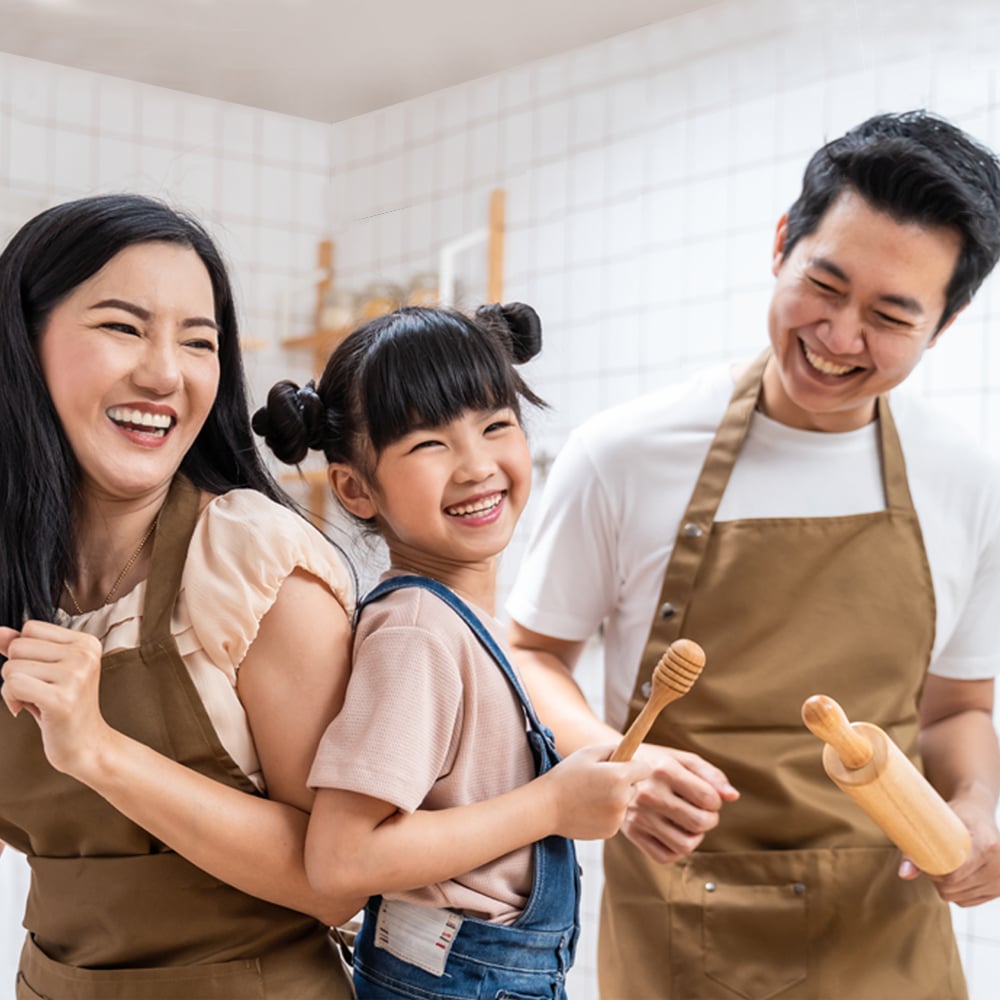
<point>361,846</point>
<point>291,683</point>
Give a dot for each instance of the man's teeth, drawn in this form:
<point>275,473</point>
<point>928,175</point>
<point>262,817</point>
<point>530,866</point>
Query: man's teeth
<point>479,507</point>
<point>137,418</point>
<point>826,367</point>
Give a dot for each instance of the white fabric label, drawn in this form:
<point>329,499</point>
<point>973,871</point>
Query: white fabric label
<point>419,935</point>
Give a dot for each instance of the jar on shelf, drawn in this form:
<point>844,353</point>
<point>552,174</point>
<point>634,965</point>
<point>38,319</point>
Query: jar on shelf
<point>424,290</point>
<point>379,298</point>
<point>338,310</point>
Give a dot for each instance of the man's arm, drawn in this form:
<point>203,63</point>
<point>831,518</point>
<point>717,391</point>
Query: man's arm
<point>958,743</point>
<point>674,808</point>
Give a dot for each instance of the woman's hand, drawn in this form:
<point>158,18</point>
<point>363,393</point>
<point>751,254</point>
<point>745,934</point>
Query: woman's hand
<point>54,674</point>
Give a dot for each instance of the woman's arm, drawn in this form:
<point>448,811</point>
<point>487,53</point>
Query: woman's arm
<point>358,845</point>
<point>296,671</point>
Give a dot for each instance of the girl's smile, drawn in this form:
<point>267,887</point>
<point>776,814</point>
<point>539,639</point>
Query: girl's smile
<point>483,509</point>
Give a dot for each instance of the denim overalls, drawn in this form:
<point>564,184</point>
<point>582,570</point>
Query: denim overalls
<point>527,959</point>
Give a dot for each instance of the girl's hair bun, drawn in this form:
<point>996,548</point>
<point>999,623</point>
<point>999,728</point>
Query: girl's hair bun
<point>292,421</point>
<point>522,325</point>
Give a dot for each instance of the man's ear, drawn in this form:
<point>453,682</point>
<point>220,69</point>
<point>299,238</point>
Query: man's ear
<point>778,252</point>
<point>352,492</point>
<point>951,319</point>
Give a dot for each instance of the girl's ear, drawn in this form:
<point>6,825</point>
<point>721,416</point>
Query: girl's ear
<point>350,489</point>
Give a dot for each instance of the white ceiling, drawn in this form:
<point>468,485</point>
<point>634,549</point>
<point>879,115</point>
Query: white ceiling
<point>320,59</point>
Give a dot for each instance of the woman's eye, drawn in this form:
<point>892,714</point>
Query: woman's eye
<point>202,344</point>
<point>122,328</point>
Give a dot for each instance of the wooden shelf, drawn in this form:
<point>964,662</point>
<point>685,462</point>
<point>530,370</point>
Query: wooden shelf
<point>320,340</point>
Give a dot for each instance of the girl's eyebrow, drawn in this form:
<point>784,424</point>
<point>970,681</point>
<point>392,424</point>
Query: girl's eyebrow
<point>145,315</point>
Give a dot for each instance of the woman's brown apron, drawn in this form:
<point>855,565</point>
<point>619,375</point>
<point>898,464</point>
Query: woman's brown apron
<point>795,894</point>
<point>112,913</point>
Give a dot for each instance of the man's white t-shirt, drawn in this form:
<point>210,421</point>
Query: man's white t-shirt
<point>617,491</point>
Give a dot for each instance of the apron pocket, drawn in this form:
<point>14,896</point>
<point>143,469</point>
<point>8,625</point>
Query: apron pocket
<point>740,925</point>
<point>43,978</point>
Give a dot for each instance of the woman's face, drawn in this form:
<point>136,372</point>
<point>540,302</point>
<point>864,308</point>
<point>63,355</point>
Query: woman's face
<point>131,361</point>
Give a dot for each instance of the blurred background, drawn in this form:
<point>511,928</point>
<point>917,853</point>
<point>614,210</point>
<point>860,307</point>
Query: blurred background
<point>619,166</point>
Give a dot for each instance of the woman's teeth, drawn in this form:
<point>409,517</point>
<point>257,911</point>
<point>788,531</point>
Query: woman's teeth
<point>479,507</point>
<point>157,423</point>
<point>824,366</point>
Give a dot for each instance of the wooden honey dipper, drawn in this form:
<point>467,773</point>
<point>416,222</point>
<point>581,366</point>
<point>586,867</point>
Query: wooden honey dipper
<point>865,763</point>
<point>678,668</point>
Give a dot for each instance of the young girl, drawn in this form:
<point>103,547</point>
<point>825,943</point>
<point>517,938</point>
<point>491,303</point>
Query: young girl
<point>439,793</point>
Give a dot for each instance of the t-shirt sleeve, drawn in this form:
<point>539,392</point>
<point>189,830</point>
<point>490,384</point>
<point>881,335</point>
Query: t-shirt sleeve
<point>971,651</point>
<point>399,729</point>
<point>566,582</point>
<point>243,549</point>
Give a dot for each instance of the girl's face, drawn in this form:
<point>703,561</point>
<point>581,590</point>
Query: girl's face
<point>131,361</point>
<point>448,498</point>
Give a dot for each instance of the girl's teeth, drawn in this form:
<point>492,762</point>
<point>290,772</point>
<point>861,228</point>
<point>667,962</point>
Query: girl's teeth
<point>826,367</point>
<point>464,510</point>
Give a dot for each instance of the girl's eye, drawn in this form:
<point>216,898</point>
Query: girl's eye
<point>430,443</point>
<point>499,425</point>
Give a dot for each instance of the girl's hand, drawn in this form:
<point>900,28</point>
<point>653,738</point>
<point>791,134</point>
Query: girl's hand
<point>590,794</point>
<point>54,674</point>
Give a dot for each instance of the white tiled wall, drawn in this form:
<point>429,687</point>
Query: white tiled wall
<point>644,176</point>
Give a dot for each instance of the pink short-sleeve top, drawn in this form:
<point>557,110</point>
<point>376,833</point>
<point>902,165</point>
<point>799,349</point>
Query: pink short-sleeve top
<point>243,548</point>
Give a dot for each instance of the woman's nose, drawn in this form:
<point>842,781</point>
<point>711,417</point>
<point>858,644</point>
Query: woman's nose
<point>157,369</point>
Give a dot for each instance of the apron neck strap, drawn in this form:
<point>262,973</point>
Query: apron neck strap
<point>178,517</point>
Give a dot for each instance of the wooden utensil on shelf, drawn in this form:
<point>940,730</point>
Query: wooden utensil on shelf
<point>865,763</point>
<point>678,668</point>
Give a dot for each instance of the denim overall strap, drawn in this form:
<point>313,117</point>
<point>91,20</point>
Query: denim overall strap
<point>527,958</point>
<point>489,643</point>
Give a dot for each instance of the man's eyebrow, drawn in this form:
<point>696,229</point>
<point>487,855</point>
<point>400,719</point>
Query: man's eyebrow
<point>904,302</point>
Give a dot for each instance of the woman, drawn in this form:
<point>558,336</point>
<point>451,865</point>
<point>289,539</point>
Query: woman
<point>155,604</point>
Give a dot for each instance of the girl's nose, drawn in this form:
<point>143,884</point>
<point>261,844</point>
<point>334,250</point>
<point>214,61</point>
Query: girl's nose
<point>474,466</point>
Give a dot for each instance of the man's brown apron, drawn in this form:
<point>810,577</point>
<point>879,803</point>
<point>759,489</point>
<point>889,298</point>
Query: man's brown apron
<point>795,894</point>
<point>112,913</point>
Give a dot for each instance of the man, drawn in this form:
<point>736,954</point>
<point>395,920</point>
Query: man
<point>812,541</point>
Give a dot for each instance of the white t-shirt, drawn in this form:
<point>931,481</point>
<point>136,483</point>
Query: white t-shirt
<point>617,491</point>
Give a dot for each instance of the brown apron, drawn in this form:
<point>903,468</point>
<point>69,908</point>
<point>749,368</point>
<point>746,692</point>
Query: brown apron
<point>112,913</point>
<point>795,894</point>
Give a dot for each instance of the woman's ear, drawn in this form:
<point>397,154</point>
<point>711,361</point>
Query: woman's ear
<point>352,492</point>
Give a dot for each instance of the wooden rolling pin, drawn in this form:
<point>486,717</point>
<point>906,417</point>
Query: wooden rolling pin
<point>866,764</point>
<point>678,668</point>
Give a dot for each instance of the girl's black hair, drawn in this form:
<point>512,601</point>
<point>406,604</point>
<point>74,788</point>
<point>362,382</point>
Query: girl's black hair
<point>45,260</point>
<point>414,367</point>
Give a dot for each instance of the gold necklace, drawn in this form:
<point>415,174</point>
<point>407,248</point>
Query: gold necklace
<point>121,576</point>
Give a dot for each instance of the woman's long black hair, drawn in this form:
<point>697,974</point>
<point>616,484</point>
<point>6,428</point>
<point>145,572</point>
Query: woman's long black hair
<point>42,264</point>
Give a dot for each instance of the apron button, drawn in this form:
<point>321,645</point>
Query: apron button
<point>798,888</point>
<point>691,530</point>
<point>709,887</point>
<point>647,689</point>
<point>667,611</point>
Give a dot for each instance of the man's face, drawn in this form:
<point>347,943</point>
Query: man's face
<point>855,305</point>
